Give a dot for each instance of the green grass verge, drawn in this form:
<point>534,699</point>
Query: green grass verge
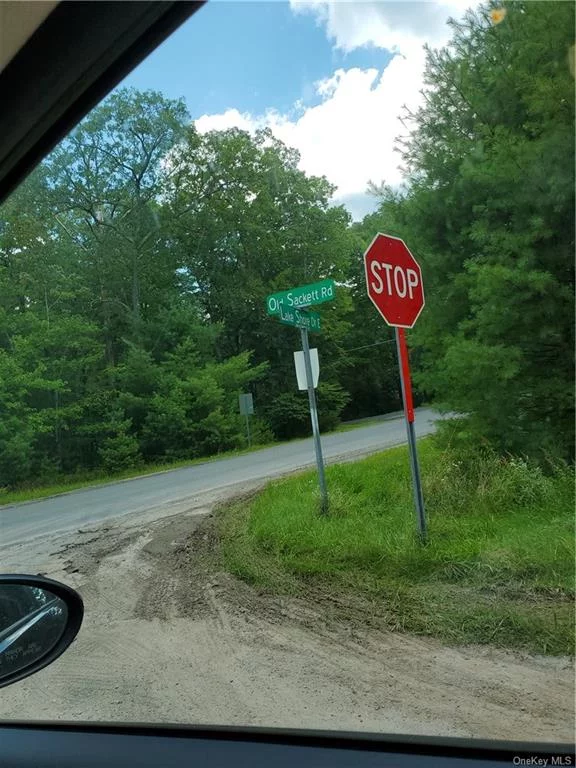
<point>498,568</point>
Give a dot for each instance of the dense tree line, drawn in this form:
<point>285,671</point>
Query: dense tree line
<point>488,207</point>
<point>134,265</point>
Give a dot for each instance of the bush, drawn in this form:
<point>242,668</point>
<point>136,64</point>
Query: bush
<point>472,470</point>
<point>332,399</point>
<point>16,451</point>
<point>119,452</point>
<point>260,432</point>
<point>289,415</point>
<point>217,432</point>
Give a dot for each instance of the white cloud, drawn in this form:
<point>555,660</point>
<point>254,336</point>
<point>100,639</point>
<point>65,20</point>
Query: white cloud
<point>398,25</point>
<point>350,135</point>
<point>358,205</point>
<point>232,118</point>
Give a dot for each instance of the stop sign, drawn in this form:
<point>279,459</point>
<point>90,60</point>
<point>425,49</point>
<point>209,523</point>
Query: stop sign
<point>394,281</point>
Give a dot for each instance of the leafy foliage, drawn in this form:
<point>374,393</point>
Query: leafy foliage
<point>135,261</point>
<point>498,569</point>
<point>489,212</point>
<point>134,265</point>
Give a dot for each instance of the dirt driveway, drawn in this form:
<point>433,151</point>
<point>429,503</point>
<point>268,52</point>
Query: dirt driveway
<point>169,638</point>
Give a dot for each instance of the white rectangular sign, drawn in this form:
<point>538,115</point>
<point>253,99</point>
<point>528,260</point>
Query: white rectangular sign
<point>246,404</point>
<point>301,368</point>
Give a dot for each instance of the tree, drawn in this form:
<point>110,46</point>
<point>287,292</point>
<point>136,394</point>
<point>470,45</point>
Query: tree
<point>251,223</point>
<point>105,180</point>
<point>193,412</point>
<point>489,213</point>
<point>20,423</point>
<point>134,266</point>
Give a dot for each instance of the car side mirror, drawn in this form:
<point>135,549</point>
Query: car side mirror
<point>39,618</point>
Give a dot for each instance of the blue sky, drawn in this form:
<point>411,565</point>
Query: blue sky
<point>251,56</point>
<point>328,77</point>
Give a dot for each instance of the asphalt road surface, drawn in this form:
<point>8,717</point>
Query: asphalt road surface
<point>20,522</point>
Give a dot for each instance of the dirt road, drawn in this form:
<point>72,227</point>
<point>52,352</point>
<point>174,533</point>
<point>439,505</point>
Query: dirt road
<point>167,637</point>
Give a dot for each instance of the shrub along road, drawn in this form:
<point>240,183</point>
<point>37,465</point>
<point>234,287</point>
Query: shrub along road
<point>19,522</point>
<point>498,568</point>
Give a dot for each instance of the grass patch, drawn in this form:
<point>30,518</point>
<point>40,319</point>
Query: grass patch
<point>498,568</point>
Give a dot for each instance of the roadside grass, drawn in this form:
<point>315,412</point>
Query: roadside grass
<point>498,568</point>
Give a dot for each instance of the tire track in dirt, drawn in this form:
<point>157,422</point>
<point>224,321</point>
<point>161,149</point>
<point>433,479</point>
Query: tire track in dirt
<point>168,636</point>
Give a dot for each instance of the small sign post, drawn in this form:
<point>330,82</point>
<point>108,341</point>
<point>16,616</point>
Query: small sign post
<point>314,420</point>
<point>291,308</point>
<point>406,384</point>
<point>246,403</point>
<point>394,286</point>
<point>300,365</point>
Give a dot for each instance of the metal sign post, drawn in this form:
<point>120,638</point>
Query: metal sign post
<point>248,431</point>
<point>292,308</point>
<point>314,419</point>
<point>394,285</point>
<point>246,403</point>
<point>404,365</point>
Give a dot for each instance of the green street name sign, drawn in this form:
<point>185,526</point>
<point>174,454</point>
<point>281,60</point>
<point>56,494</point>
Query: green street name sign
<point>300,319</point>
<point>298,298</point>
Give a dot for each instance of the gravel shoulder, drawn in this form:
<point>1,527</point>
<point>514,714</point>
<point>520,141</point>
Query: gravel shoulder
<point>168,637</point>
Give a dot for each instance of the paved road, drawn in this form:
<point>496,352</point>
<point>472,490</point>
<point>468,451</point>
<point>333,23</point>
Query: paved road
<point>19,522</point>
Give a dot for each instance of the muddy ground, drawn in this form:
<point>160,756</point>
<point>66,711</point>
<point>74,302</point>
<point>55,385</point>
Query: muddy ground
<point>169,637</point>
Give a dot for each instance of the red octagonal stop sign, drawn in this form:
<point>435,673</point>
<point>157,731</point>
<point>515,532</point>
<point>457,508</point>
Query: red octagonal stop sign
<point>394,281</point>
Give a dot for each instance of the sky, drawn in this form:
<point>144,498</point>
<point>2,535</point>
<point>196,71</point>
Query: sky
<point>330,78</point>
